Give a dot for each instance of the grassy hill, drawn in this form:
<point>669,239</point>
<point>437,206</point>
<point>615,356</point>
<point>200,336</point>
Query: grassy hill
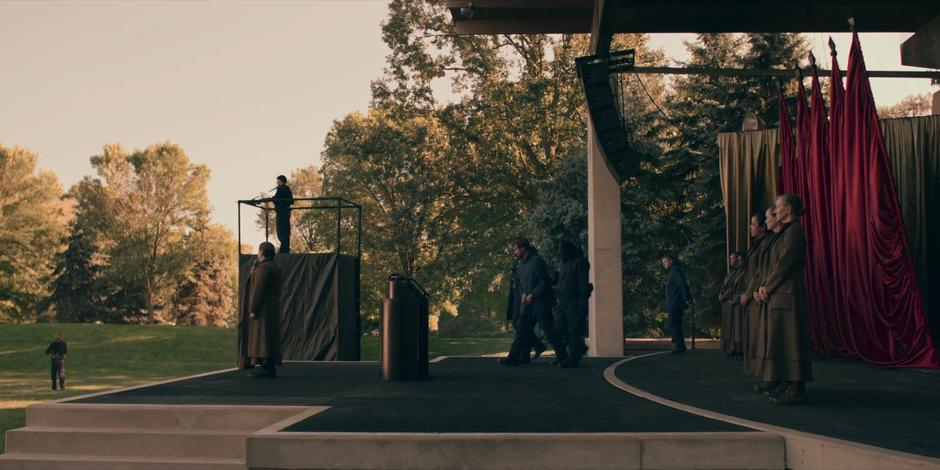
<point>107,357</point>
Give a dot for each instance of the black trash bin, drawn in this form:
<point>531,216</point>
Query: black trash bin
<point>404,343</point>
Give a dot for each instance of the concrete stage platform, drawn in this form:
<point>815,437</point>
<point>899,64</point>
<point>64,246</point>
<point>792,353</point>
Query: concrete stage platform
<point>471,414</point>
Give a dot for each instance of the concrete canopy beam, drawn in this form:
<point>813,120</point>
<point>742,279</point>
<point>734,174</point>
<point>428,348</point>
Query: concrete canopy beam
<point>923,48</point>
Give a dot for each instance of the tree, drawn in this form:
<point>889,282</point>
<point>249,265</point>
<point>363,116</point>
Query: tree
<point>161,197</point>
<point>84,287</point>
<point>398,169</point>
<point>76,291</point>
<point>140,247</point>
<point>33,219</point>
<point>909,106</point>
<point>205,293</point>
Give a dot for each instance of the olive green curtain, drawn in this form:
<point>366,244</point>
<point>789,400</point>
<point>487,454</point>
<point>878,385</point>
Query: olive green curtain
<point>750,164</point>
<point>913,146</point>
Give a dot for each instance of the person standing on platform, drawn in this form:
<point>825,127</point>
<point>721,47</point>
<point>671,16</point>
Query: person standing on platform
<point>678,299</point>
<point>574,289</point>
<point>751,309</point>
<point>737,311</point>
<point>786,349</point>
<point>264,318</point>
<point>57,351</point>
<point>536,300</point>
<point>283,199</point>
<point>728,300</point>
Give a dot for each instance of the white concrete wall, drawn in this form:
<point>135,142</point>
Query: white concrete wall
<point>605,320</point>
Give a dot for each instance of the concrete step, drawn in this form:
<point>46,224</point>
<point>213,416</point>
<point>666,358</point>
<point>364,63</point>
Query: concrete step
<point>127,442</point>
<point>583,451</point>
<point>20,461</point>
<point>201,417</point>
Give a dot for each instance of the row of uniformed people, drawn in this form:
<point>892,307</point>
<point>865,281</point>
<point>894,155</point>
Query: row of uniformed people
<point>763,300</point>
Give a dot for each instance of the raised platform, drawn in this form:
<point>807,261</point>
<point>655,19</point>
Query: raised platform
<point>464,395</point>
<point>471,414</point>
<point>861,416</point>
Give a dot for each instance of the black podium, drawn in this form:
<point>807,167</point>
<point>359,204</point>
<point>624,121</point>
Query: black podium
<point>404,350</point>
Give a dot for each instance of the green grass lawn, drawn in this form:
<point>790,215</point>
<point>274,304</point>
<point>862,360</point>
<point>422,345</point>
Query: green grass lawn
<point>107,357</point>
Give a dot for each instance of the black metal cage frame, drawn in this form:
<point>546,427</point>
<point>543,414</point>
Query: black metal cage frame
<point>307,203</point>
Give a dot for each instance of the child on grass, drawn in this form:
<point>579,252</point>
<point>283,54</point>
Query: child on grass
<point>56,352</point>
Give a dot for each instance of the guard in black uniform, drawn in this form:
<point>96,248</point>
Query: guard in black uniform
<point>283,199</point>
<point>573,293</point>
<point>678,299</point>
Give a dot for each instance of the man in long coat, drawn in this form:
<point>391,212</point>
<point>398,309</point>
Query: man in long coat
<point>512,314</point>
<point>786,336</point>
<point>263,302</point>
<point>678,298</point>
<point>536,299</point>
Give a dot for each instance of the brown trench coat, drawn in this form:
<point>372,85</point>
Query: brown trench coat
<point>728,296</point>
<point>263,298</point>
<point>785,330</point>
<point>756,266</point>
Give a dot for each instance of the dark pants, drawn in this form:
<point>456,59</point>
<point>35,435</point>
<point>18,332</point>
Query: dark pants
<point>675,328</point>
<point>58,373</point>
<point>282,222</point>
<point>570,326</point>
<point>525,338</point>
<point>269,364</point>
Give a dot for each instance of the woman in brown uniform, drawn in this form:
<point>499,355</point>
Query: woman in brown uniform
<point>786,340</point>
<point>737,311</point>
<point>749,306</point>
<point>731,289</point>
<point>725,299</point>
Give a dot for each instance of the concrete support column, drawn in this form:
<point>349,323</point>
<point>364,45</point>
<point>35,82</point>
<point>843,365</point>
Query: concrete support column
<point>605,318</point>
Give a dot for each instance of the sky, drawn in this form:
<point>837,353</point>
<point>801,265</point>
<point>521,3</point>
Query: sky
<point>248,88</point>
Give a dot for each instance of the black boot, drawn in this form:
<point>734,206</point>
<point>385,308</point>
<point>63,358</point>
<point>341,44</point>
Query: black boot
<point>571,363</point>
<point>508,361</point>
<point>538,349</point>
<point>764,387</point>
<point>793,394</point>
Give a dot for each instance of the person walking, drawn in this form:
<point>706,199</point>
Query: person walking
<point>57,351</point>
<point>536,300</point>
<point>512,312</point>
<point>574,289</point>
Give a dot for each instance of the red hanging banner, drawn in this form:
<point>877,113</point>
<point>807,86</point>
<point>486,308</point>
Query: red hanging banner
<point>883,318</point>
<point>816,224</point>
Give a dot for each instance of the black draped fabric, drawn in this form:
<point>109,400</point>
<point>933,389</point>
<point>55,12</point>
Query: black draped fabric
<point>320,311</point>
